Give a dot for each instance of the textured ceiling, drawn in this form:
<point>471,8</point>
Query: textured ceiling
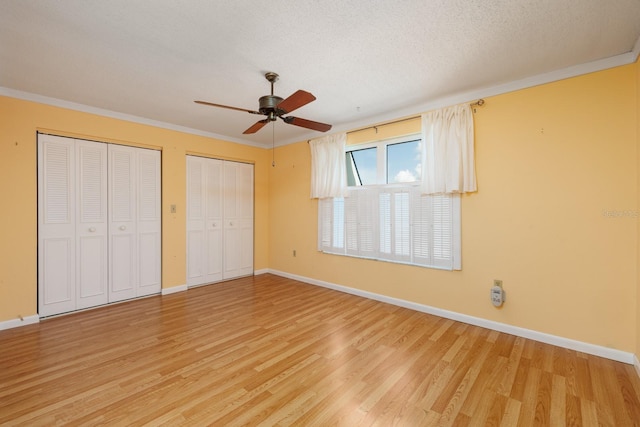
<point>366,61</point>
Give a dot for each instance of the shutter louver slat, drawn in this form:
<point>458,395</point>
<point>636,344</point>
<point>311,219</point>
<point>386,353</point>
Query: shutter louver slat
<point>351,223</point>
<point>58,179</point>
<point>401,233</point>
<point>90,182</point>
<point>384,229</point>
<point>121,203</point>
<point>337,241</point>
<point>195,190</point>
<point>367,229</point>
<point>149,180</point>
<point>421,232</point>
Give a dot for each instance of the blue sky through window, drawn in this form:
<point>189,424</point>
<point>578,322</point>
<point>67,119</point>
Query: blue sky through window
<point>403,162</point>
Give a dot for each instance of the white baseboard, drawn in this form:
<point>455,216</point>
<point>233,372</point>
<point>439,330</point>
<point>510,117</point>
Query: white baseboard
<point>261,271</point>
<point>596,350</point>
<point>636,364</point>
<point>174,289</point>
<point>21,321</point>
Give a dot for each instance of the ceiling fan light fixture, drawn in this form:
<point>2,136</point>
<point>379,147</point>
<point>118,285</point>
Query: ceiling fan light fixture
<point>269,104</point>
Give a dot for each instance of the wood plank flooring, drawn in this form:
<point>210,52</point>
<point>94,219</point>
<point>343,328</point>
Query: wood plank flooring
<point>268,351</point>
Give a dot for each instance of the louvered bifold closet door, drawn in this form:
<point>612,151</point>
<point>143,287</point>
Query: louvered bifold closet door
<point>214,225</point>
<point>149,223</point>
<point>99,223</point>
<point>122,223</point>
<point>91,224</point>
<point>134,222</point>
<point>56,225</point>
<point>196,211</point>
<point>204,220</point>
<point>238,219</point>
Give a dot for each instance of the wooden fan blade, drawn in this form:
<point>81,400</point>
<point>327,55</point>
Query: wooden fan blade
<point>256,126</point>
<point>226,106</point>
<point>295,101</point>
<point>309,124</point>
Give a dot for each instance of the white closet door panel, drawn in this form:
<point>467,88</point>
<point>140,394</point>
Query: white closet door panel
<point>122,223</point>
<point>230,190</point>
<point>149,222</point>
<point>244,188</point>
<point>238,220</point>
<point>196,242</point>
<point>246,252</point>
<point>92,271</point>
<point>57,283</point>
<point>214,191</point>
<point>232,251</point>
<point>56,225</point>
<point>122,280</point>
<point>204,220</point>
<point>214,223</point>
<point>91,223</point>
<point>214,253</point>
<point>149,267</point>
<point>195,257</point>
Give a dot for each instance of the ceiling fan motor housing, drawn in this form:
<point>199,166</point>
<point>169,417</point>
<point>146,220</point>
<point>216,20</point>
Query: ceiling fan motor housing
<point>269,104</point>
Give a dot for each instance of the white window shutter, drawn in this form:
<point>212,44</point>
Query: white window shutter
<point>367,223</point>
<point>421,228</point>
<point>393,223</point>
<point>384,229</point>
<point>401,226</point>
<point>352,246</point>
<point>325,228</point>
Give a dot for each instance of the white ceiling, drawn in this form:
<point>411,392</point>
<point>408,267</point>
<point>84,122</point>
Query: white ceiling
<point>366,61</point>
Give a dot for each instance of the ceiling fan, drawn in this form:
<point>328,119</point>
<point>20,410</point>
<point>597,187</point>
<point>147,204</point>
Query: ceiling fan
<point>273,107</point>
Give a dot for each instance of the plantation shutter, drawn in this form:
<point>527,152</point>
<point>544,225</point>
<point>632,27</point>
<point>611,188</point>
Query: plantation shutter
<point>392,223</point>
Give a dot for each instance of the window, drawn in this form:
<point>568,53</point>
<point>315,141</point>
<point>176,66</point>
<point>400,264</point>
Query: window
<point>385,216</point>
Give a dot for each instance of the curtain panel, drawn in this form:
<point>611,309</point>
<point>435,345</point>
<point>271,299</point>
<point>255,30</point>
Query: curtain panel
<point>448,162</point>
<point>328,171</point>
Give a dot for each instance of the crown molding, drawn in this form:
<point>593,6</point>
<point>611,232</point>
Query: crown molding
<point>540,79</point>
<point>55,102</point>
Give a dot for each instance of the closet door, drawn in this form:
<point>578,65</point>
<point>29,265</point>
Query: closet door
<point>122,223</point>
<point>238,220</point>
<point>204,220</point>
<point>149,223</point>
<point>213,220</point>
<point>56,225</point>
<point>91,223</point>
<point>196,242</point>
<point>99,223</point>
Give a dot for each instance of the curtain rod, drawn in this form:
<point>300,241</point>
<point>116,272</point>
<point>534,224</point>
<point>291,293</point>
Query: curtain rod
<point>478,103</point>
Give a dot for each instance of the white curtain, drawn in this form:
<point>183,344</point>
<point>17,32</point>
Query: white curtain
<point>448,164</point>
<point>328,170</point>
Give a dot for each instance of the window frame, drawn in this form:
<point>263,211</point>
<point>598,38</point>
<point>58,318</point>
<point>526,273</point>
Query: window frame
<point>350,237</point>
<point>381,147</point>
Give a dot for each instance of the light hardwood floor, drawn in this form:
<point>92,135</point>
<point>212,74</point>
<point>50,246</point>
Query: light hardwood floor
<point>269,351</point>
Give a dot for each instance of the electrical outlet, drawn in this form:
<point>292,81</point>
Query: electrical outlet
<point>497,293</point>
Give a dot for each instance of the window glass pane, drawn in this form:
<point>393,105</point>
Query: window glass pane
<point>403,162</point>
<point>361,166</point>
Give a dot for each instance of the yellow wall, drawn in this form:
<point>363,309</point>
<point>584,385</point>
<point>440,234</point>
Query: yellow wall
<point>19,122</point>
<point>551,161</point>
<point>638,223</point>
